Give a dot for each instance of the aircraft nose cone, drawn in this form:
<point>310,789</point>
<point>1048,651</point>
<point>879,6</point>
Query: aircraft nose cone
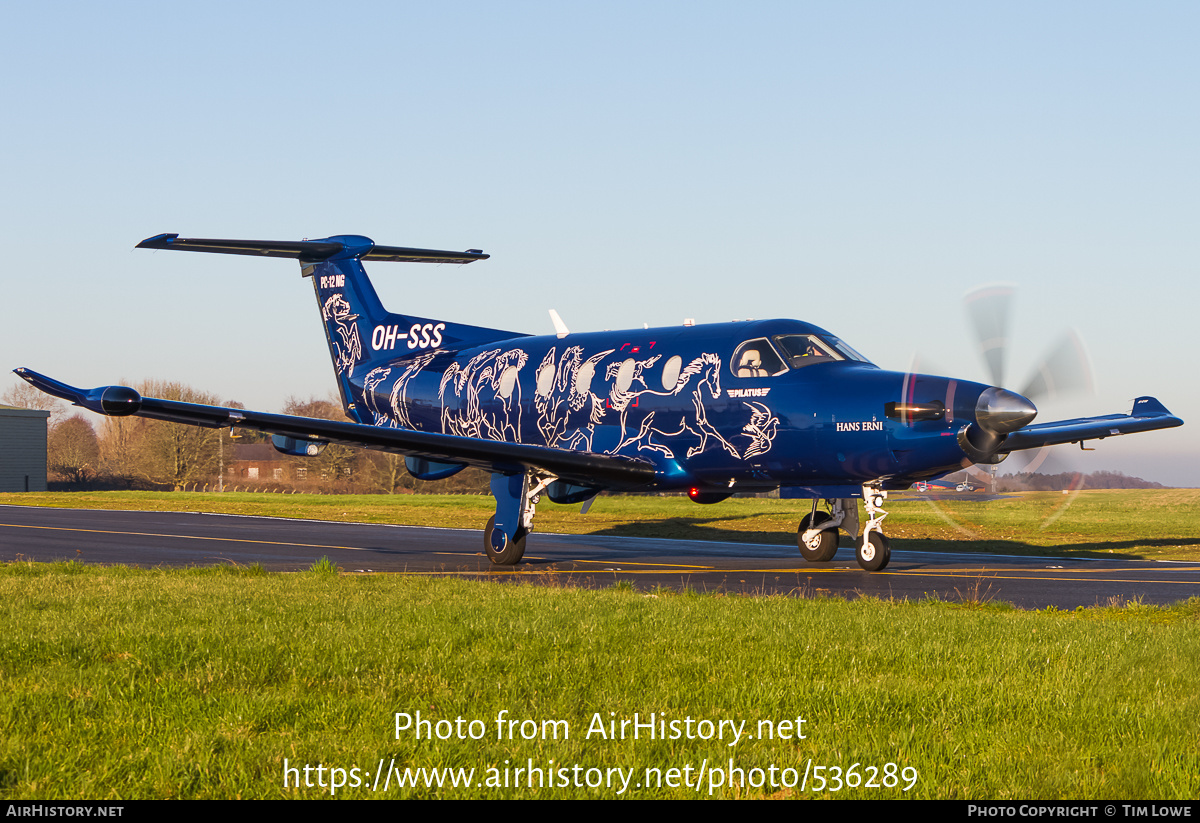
<point>1001,411</point>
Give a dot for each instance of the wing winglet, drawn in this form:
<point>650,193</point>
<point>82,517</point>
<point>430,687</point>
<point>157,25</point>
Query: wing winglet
<point>1149,407</point>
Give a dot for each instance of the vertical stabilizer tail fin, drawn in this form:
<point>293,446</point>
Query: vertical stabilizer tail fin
<point>361,333</point>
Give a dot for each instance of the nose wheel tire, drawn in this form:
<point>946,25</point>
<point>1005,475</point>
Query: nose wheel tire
<point>874,551</point>
<point>500,550</point>
<point>822,547</point>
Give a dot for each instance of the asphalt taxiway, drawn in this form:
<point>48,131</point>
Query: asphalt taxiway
<point>197,539</point>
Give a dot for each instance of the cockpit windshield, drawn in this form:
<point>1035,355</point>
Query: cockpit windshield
<point>844,348</point>
<point>763,358</point>
<point>809,349</point>
<point>805,350</point>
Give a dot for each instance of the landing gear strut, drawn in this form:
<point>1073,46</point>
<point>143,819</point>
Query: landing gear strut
<point>505,533</point>
<point>817,536</point>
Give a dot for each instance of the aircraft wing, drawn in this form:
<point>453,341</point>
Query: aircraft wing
<point>583,468</point>
<point>1147,414</point>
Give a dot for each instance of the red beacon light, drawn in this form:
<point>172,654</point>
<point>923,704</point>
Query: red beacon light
<point>698,495</point>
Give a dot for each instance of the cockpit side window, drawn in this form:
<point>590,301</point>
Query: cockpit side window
<point>756,358</point>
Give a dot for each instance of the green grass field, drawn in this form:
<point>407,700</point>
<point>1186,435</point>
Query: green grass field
<point>119,683</point>
<point>122,683</point>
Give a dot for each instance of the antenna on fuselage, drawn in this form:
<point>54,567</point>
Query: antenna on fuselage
<point>560,328</point>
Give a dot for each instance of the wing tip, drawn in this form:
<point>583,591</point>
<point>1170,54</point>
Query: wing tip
<point>158,241</point>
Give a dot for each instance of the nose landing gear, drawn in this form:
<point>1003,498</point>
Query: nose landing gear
<point>874,548</point>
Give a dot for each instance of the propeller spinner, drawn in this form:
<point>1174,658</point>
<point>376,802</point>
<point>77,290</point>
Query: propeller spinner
<point>998,413</point>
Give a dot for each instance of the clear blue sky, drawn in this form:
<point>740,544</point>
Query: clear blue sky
<point>858,165</point>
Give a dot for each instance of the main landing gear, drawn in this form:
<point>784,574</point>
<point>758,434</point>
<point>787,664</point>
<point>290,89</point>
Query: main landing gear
<point>516,497</point>
<point>817,536</point>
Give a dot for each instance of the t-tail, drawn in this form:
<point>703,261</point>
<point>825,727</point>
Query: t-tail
<point>361,333</point>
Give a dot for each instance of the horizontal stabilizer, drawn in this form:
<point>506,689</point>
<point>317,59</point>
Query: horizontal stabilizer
<point>310,251</point>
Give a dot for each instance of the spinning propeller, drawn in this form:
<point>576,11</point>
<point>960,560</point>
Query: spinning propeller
<point>1062,371</point>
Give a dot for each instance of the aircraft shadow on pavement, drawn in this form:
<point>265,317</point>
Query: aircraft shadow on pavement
<point>702,530</point>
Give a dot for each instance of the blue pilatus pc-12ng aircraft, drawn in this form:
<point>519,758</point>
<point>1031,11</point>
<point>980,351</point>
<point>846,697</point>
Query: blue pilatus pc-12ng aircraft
<point>711,410</point>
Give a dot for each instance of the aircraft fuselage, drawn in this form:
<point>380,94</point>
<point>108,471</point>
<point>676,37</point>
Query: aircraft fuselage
<point>674,397</point>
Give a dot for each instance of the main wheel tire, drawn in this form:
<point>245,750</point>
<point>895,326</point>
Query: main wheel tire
<point>510,552</point>
<point>874,552</point>
<point>821,548</point>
